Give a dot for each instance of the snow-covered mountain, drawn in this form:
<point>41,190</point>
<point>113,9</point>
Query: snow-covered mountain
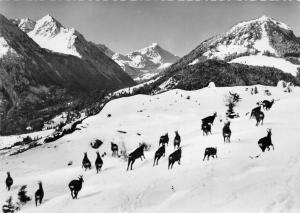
<point>38,80</point>
<point>25,24</point>
<point>251,40</point>
<point>52,35</point>
<point>232,182</point>
<point>145,63</point>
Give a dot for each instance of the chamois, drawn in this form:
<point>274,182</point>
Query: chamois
<point>209,119</point>
<point>86,163</point>
<point>39,194</point>
<point>267,104</point>
<point>159,153</point>
<point>210,151</point>
<point>164,139</point>
<point>255,111</point>
<point>98,162</point>
<point>266,142</point>
<point>114,148</point>
<point>75,186</point>
<point>206,128</point>
<point>9,181</point>
<point>177,140</point>
<point>175,156</point>
<point>137,153</point>
<point>226,132</point>
<point>259,116</point>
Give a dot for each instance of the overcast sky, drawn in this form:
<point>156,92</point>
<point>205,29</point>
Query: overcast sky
<point>177,26</point>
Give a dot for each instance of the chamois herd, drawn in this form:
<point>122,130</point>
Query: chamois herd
<point>207,122</point>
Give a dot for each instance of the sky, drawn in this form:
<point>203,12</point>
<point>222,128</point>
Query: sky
<point>176,26</point>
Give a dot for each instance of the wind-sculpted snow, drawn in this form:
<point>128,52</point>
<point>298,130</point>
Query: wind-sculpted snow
<point>231,183</point>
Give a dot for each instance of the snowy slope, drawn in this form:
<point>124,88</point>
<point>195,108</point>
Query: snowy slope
<point>145,63</point>
<point>261,60</point>
<point>231,183</point>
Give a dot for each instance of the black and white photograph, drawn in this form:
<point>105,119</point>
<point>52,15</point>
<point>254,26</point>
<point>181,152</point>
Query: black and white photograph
<point>149,106</point>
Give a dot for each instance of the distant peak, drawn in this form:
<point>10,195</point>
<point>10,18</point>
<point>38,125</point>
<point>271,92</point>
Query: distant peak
<point>154,45</point>
<point>264,18</point>
<point>48,18</point>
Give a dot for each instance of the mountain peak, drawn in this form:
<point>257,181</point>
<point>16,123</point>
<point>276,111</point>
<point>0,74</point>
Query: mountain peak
<point>47,18</point>
<point>48,22</point>
<point>264,18</point>
<point>154,44</point>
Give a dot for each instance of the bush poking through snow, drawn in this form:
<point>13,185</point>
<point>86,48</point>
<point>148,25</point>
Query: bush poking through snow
<point>231,101</point>
<point>267,92</point>
<point>22,195</point>
<point>96,143</point>
<point>123,151</point>
<point>254,91</point>
<point>8,207</point>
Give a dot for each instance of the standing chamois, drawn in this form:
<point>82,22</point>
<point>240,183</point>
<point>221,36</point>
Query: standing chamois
<point>267,104</point>
<point>164,139</point>
<point>86,163</point>
<point>114,149</point>
<point>137,153</point>
<point>159,153</point>
<point>9,181</point>
<point>255,111</point>
<point>266,142</point>
<point>209,119</point>
<point>210,151</point>
<point>175,156</point>
<point>206,128</point>
<point>39,194</point>
<point>259,116</point>
<point>177,140</point>
<point>75,186</point>
<point>98,162</point>
<point>226,132</point>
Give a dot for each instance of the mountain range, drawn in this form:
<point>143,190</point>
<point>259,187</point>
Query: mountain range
<point>263,41</point>
<point>259,51</point>
<point>145,63</point>
<point>46,67</point>
<point>36,79</point>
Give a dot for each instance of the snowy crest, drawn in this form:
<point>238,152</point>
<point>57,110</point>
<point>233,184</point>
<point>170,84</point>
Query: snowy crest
<point>50,34</point>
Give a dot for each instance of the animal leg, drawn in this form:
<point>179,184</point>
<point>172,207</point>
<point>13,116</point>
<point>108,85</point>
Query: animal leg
<point>128,164</point>
<point>132,164</point>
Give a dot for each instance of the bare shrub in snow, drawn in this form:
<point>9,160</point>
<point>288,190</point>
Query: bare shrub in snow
<point>123,151</point>
<point>231,101</point>
<point>9,207</point>
<point>22,196</point>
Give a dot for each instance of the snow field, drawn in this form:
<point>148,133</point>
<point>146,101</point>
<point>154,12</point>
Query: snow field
<point>231,183</point>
